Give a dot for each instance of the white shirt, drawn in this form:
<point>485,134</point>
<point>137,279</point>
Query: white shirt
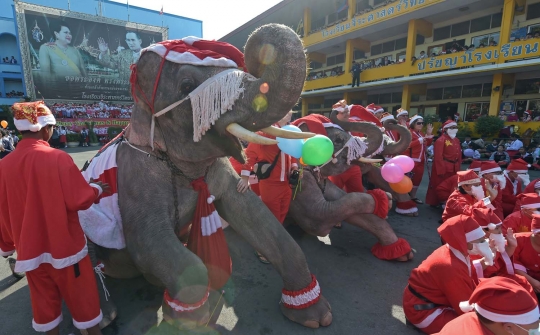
<point>516,145</point>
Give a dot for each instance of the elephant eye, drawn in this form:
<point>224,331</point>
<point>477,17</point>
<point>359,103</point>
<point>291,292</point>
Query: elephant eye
<point>187,86</point>
<point>339,140</point>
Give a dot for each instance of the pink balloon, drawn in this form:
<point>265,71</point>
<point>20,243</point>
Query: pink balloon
<point>404,162</point>
<point>392,173</point>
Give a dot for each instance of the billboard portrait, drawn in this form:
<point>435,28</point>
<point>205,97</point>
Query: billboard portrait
<point>76,56</point>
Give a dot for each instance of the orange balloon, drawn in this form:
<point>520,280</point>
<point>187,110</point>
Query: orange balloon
<point>301,161</point>
<point>403,187</point>
<point>4,124</point>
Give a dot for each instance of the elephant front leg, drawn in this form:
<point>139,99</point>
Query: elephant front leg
<point>301,298</point>
<point>107,305</point>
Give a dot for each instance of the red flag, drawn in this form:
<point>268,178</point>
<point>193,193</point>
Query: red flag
<point>161,11</point>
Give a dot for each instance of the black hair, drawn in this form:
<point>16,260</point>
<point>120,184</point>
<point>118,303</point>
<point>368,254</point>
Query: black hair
<point>56,26</point>
<point>412,124</point>
<point>483,319</point>
<point>462,190</point>
<point>514,135</point>
<point>134,32</point>
<point>3,132</point>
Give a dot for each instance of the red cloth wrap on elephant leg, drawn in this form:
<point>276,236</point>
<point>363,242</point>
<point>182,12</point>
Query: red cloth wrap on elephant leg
<point>406,207</point>
<point>303,298</point>
<point>392,251</point>
<point>381,203</point>
<point>183,307</point>
<point>206,238</point>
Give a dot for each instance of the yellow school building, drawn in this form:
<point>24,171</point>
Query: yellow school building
<point>413,54</point>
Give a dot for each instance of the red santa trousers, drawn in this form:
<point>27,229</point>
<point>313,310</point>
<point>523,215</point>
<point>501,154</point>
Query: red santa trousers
<point>48,286</point>
<point>417,173</point>
<point>436,320</point>
<point>276,195</point>
<point>350,180</point>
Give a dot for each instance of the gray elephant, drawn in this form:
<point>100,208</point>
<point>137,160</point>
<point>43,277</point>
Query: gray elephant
<point>172,146</point>
<point>319,204</point>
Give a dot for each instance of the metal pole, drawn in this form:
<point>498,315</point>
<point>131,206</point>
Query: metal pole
<point>69,5</point>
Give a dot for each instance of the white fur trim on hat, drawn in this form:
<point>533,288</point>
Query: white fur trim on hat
<point>536,205</point>
<point>466,307</point>
<point>25,125</point>
<point>388,117</point>
<point>470,181</point>
<point>520,319</point>
<point>189,58</point>
<point>403,112</point>
<point>414,118</point>
<point>492,226</point>
<point>495,169</point>
<point>451,124</point>
<point>475,234</point>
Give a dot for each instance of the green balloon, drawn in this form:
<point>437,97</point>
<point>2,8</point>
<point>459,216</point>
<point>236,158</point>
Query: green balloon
<point>317,150</point>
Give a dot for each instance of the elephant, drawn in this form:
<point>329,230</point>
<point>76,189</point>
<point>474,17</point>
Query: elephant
<point>160,156</point>
<point>320,204</point>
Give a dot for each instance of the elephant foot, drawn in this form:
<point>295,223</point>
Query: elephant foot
<point>390,200</point>
<point>186,320</point>
<point>108,318</point>
<point>414,214</point>
<point>314,316</point>
<point>405,258</point>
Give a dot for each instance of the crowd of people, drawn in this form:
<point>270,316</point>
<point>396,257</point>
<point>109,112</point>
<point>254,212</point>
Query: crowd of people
<point>92,110</point>
<point>14,94</point>
<point>8,60</point>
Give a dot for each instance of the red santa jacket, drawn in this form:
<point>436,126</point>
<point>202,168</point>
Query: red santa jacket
<point>41,191</point>
<point>467,323</point>
<point>519,223</point>
<point>530,187</point>
<point>445,278</point>
<point>258,152</point>
<point>458,204</point>
<point>446,188</point>
<point>508,194</point>
<point>417,147</point>
<point>525,257</point>
<point>447,155</point>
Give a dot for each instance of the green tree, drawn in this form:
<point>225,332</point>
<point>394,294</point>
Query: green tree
<point>488,126</point>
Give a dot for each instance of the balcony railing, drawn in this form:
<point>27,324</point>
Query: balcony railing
<point>480,56</point>
<point>10,68</point>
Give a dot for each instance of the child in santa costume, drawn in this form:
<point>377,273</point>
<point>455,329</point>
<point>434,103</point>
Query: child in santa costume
<point>450,185</point>
<point>498,305</point>
<point>469,194</point>
<point>446,277</point>
<point>417,151</point>
<point>516,175</point>
<point>494,182</point>
<point>527,254</point>
<point>38,218</point>
<point>446,160</point>
<point>521,220</point>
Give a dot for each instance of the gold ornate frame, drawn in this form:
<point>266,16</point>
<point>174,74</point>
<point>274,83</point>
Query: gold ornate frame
<point>21,7</point>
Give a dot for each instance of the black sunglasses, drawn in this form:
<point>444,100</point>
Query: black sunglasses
<point>419,123</point>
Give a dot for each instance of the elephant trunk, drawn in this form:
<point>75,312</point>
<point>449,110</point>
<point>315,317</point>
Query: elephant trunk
<point>273,53</point>
<point>371,131</point>
<point>404,139</point>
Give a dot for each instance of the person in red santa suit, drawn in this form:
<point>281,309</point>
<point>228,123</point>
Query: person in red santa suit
<point>527,254</point>
<point>493,179</point>
<point>533,187</point>
<point>449,185</point>
<point>252,181</point>
<point>417,151</point>
<point>375,110</point>
<point>42,224</point>
<point>521,220</point>
<point>497,306</point>
<point>275,191</point>
<point>402,117</point>
<point>446,160</point>
<point>469,195</point>
<point>517,178</point>
<point>446,277</point>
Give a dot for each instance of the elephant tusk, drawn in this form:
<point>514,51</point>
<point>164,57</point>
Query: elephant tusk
<point>278,132</point>
<point>242,133</point>
<point>368,160</point>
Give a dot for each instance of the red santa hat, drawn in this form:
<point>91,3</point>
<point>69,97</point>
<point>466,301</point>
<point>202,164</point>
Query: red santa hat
<point>489,167</point>
<point>501,299</point>
<point>360,113</point>
<point>340,106</point>
<point>403,112</point>
<point>535,224</point>
<point>196,51</point>
<point>486,218</point>
<point>449,123</point>
<point>518,166</point>
<point>374,109</point>
<point>414,118</point>
<point>475,166</point>
<point>537,185</point>
<point>387,116</point>
<point>459,230</point>
<point>32,116</point>
<point>316,123</point>
<point>529,200</point>
<point>467,177</point>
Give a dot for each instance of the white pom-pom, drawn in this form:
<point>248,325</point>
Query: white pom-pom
<point>334,160</point>
<point>466,307</point>
<point>34,127</point>
<point>209,200</point>
<point>492,226</point>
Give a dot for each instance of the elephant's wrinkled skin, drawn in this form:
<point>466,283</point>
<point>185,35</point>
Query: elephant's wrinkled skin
<point>146,191</point>
<point>320,204</point>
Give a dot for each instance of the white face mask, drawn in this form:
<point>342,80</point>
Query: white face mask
<point>530,331</point>
<point>501,179</point>
<point>478,192</point>
<point>499,240</point>
<point>483,250</point>
<point>525,179</point>
<point>452,132</point>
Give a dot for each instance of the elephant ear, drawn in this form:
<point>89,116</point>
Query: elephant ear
<point>371,132</point>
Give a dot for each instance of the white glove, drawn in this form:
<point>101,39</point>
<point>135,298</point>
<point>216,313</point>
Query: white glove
<point>421,139</point>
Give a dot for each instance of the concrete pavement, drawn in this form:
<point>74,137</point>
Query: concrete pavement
<point>365,293</point>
